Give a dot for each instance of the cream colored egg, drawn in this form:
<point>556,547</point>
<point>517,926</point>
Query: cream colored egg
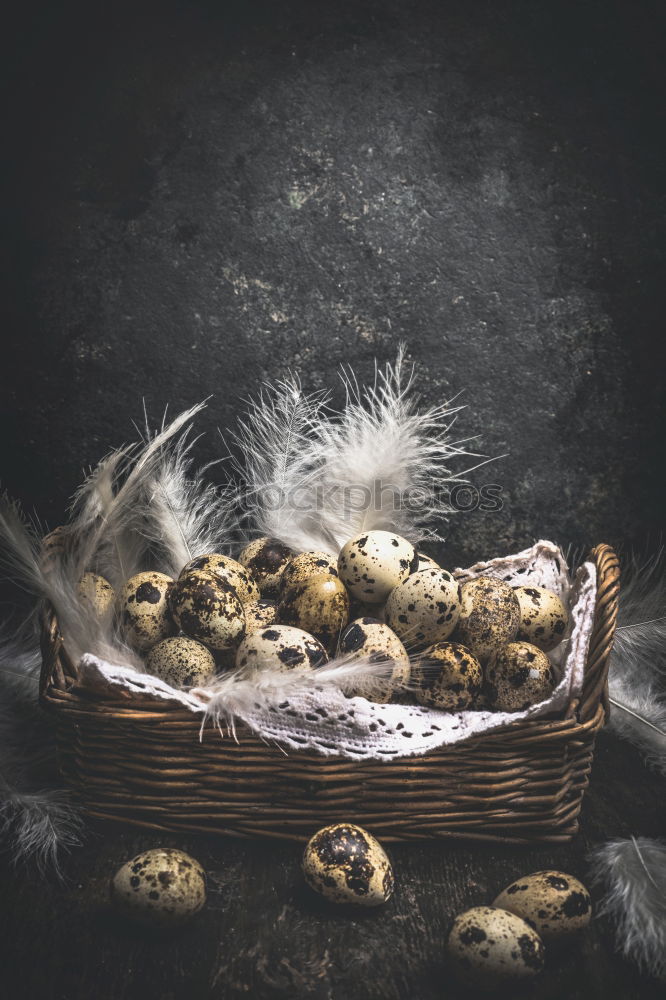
<point>306,565</point>
<point>490,947</point>
<point>520,675</point>
<point>259,614</point>
<point>388,662</point>
<point>489,615</point>
<point>143,610</point>
<point>556,905</point>
<point>229,571</point>
<point>426,562</point>
<point>162,887</point>
<point>346,864</point>
<point>543,617</point>
<point>319,605</point>
<point>209,610</point>
<point>424,608</point>
<point>266,559</point>
<point>447,676</point>
<point>181,662</point>
<point>97,594</point>
<point>373,563</point>
<point>280,646</point>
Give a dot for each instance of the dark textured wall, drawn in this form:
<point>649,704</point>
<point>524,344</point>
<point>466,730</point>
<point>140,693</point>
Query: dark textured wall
<point>199,198</point>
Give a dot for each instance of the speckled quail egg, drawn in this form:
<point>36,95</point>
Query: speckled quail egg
<point>209,610</point>
<point>266,559</point>
<point>543,617</point>
<point>426,562</point>
<point>519,675</point>
<point>373,563</point>
<point>346,864</point>
<point>369,638</point>
<point>424,608</point>
<point>162,887</point>
<point>489,615</point>
<point>181,662</point>
<point>319,605</point>
<point>447,676</point>
<point>97,594</point>
<point>306,565</point>
<point>489,946</point>
<point>259,614</point>
<point>229,571</point>
<point>280,646</point>
<point>554,904</point>
<point>143,608</point>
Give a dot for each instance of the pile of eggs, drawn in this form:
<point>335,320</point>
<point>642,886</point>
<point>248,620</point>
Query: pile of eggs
<point>482,644</point>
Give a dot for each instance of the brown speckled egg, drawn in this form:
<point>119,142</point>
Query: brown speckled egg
<point>97,594</point>
<point>319,605</point>
<point>373,563</point>
<point>306,565</point>
<point>520,675</point>
<point>543,617</point>
<point>209,610</point>
<point>143,608</point>
<point>489,947</point>
<point>424,608</point>
<point>369,638</point>
<point>345,864</point>
<point>266,559</point>
<point>181,662</point>
<point>229,571</point>
<point>489,615</point>
<point>447,676</point>
<point>162,887</point>
<point>259,614</point>
<point>426,562</point>
<point>554,904</point>
<point>280,646</point>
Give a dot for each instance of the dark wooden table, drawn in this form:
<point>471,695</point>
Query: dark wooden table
<point>264,935</point>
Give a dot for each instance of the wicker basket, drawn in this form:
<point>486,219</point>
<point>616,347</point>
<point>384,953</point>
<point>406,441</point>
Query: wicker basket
<point>147,767</point>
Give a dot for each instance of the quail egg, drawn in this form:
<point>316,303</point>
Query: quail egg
<point>543,617</point>
<point>209,610</point>
<point>489,615</point>
<point>319,605</point>
<point>554,904</point>
<point>447,676</point>
<point>373,563</point>
<point>162,887</point>
<point>229,571</point>
<point>259,614</point>
<point>143,606</point>
<point>345,864</point>
<point>266,559</point>
<point>280,646</point>
<point>489,947</point>
<point>97,594</point>
<point>305,565</point>
<point>426,562</point>
<point>370,639</point>
<point>424,608</point>
<point>519,675</point>
<point>181,662</point>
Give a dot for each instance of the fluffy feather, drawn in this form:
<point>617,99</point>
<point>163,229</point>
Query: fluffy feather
<point>633,873</point>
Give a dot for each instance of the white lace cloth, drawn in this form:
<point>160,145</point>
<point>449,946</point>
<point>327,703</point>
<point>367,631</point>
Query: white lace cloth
<point>326,721</point>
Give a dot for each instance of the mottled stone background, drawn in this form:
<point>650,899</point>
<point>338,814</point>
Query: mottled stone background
<point>200,198</point>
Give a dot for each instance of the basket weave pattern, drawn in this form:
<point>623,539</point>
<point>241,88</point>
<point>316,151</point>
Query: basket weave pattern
<point>128,761</point>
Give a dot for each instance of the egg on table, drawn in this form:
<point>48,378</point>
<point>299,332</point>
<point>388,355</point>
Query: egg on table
<point>143,610</point>
<point>373,563</point>
<point>543,617</point>
<point>319,605</point>
<point>424,608</point>
<point>553,903</point>
<point>229,571</point>
<point>489,615</point>
<point>346,864</point>
<point>266,559</point>
<point>388,662</point>
<point>280,646</point>
<point>447,676</point>
<point>519,675</point>
<point>259,614</point>
<point>97,594</point>
<point>489,947</point>
<point>181,662</point>
<point>305,565</point>
<point>162,887</point>
<point>209,610</point>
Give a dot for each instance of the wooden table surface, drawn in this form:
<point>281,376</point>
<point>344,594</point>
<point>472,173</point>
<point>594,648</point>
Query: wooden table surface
<point>263,934</point>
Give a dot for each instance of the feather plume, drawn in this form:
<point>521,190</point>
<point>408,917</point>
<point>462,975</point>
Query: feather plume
<point>633,873</point>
